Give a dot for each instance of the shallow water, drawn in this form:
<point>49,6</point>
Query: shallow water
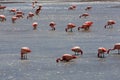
<point>48,45</point>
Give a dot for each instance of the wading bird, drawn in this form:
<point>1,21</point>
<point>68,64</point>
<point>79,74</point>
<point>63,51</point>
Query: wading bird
<point>77,50</point>
<point>34,24</point>
<point>52,25</point>
<point>110,24</point>
<point>101,52</point>
<point>116,47</point>
<point>24,52</point>
<point>66,58</point>
<point>70,26</point>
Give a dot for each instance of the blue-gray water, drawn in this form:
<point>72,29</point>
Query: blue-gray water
<point>48,45</point>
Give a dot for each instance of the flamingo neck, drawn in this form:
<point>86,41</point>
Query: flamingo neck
<point>58,60</point>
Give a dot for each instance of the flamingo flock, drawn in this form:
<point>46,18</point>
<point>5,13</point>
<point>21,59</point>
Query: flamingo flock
<point>69,28</point>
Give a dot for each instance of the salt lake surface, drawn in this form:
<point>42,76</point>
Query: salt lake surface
<point>48,45</point>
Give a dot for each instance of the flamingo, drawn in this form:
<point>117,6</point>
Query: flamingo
<point>2,7</point>
<point>52,25</point>
<point>2,18</point>
<point>72,7</point>
<point>116,47</point>
<point>86,25</point>
<point>70,26</point>
<point>110,24</point>
<point>88,8</point>
<point>38,10</point>
<point>13,10</point>
<point>30,15</point>
<point>77,50</point>
<point>101,52</point>
<point>14,18</point>
<point>66,58</point>
<point>35,24</point>
<point>19,14</point>
<point>24,52</point>
<point>84,15</point>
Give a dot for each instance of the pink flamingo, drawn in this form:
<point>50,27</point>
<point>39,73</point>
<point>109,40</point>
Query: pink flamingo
<point>35,24</point>
<point>110,24</point>
<point>2,7</point>
<point>19,14</point>
<point>13,10</point>
<point>116,47</point>
<point>84,15</point>
<point>86,25</point>
<point>30,15</point>
<point>66,58</point>
<point>2,18</point>
<point>52,25</point>
<point>77,50</point>
<point>101,52</point>
<point>70,26</point>
<point>38,10</point>
<point>24,52</point>
<point>72,7</point>
<point>14,18</point>
<point>88,8</point>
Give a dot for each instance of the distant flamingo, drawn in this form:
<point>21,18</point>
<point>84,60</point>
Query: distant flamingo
<point>101,52</point>
<point>116,47</point>
<point>38,10</point>
<point>14,18</point>
<point>66,58</point>
<point>84,15</point>
<point>88,8</point>
<point>30,15</point>
<point>2,7</point>
<point>24,52</point>
<point>86,25</point>
<point>70,26</point>
<point>2,18</point>
<point>77,50</point>
<point>13,10</point>
<point>33,4</point>
<point>35,24</point>
<point>19,14</point>
<point>110,24</point>
<point>72,7</point>
<point>52,25</point>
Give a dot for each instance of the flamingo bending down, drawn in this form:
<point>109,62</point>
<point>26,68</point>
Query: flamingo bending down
<point>14,18</point>
<point>88,8</point>
<point>35,24</point>
<point>24,52</point>
<point>38,10</point>
<point>84,15</point>
<point>2,18</point>
<point>77,50</point>
<point>66,58</point>
<point>101,52</point>
<point>116,47</point>
<point>2,7</point>
<point>30,15</point>
<point>110,24</point>
<point>72,7</point>
<point>52,25</point>
<point>70,26</point>
<point>86,25</point>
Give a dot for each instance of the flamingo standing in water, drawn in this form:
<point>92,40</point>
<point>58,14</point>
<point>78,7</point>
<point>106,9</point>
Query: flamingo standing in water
<point>84,15</point>
<point>2,7</point>
<point>19,14</point>
<point>72,7</point>
<point>35,24</point>
<point>77,50</point>
<point>110,24</point>
<point>52,25</point>
<point>66,58</point>
<point>24,52</point>
<point>38,10</point>
<point>101,52</point>
<point>14,18</point>
<point>2,18</point>
<point>88,8</point>
<point>116,47</point>
<point>70,26</point>
<point>30,15</point>
<point>86,25</point>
